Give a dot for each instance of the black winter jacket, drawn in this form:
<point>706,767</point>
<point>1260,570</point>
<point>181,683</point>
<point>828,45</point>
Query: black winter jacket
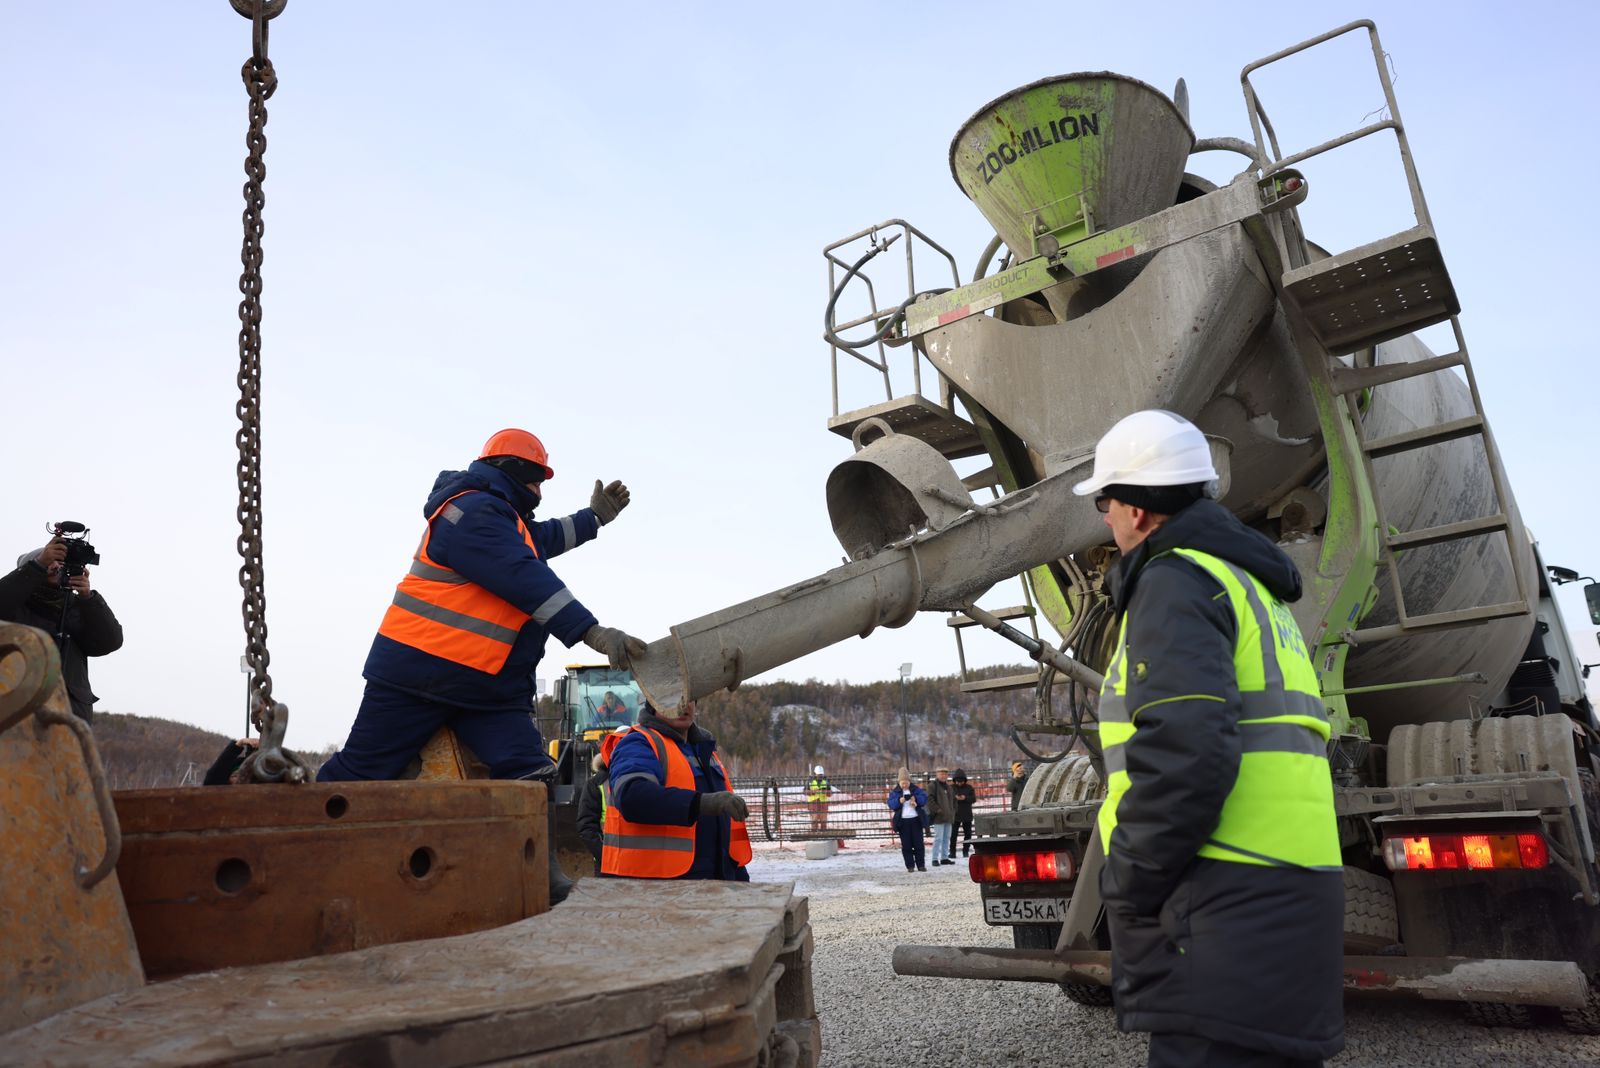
<point>589,811</point>
<point>27,596</point>
<point>1238,953</point>
<point>966,796</point>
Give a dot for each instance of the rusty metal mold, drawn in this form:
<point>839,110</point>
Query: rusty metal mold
<point>224,876</point>
<point>66,937</point>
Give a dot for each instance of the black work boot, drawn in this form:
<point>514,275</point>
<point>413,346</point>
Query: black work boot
<point>560,885</point>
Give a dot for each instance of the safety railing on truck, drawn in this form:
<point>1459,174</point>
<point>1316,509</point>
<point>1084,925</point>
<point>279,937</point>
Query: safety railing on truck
<point>856,809</point>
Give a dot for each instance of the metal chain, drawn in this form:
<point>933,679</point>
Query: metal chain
<point>260,82</point>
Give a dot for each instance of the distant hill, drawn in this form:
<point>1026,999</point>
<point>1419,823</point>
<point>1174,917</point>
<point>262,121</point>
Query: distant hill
<point>782,728</point>
<point>146,752</point>
<point>775,728</point>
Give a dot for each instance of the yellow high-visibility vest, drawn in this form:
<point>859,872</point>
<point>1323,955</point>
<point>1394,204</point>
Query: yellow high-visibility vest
<point>1280,811</point>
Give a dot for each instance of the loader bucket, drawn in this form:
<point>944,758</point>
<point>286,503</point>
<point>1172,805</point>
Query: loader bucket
<point>1069,156</point>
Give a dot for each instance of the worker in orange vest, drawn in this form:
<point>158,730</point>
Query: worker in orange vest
<point>672,813</point>
<point>459,645</point>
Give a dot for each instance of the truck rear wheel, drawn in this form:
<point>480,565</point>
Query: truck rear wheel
<point>1370,919</point>
<point>1494,1014</point>
<point>1044,936</point>
<point>1585,1021</point>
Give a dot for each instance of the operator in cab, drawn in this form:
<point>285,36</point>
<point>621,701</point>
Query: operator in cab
<point>613,711</point>
<point>1223,883</point>
<point>672,812</point>
<point>460,642</point>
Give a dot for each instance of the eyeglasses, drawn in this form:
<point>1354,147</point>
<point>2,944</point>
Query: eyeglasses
<point>1103,503</point>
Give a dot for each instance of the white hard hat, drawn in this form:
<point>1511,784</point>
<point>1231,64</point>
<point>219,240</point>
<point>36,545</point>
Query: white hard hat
<point>817,770</point>
<point>1150,448</point>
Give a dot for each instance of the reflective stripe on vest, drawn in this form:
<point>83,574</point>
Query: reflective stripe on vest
<point>656,850</point>
<point>817,790</point>
<point>1280,810</point>
<point>444,614</point>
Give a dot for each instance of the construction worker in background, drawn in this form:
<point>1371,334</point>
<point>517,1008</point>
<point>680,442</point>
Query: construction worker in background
<point>613,711</point>
<point>593,802</point>
<point>467,627</point>
<point>1222,884</point>
<point>671,812</point>
<point>818,793</point>
<point>1015,784</point>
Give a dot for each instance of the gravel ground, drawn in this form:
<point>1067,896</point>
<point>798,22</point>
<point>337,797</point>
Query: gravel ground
<point>864,903</point>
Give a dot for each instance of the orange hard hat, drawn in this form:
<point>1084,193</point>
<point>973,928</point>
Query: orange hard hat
<point>518,443</point>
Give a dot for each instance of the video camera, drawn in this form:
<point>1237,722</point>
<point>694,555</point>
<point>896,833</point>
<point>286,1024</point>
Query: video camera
<point>80,554</point>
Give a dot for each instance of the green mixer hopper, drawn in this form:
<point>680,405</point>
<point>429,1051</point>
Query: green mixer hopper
<point>1071,155</point>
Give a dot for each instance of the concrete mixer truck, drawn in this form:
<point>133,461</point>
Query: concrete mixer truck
<point>1464,749</point>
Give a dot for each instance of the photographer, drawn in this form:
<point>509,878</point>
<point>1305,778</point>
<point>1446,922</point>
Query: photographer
<point>40,593</point>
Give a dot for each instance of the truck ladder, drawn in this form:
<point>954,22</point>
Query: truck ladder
<point>1375,293</point>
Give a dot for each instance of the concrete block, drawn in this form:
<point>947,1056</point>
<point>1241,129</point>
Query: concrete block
<point>822,850</point>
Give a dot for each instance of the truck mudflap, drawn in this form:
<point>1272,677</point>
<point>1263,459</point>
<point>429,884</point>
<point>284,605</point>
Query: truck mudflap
<point>1560,984</point>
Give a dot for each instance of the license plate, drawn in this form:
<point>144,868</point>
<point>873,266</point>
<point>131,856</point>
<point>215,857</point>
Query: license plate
<point>1006,910</point>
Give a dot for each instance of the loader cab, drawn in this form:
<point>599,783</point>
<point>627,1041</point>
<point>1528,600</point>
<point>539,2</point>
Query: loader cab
<point>595,700</point>
<point>591,701</point>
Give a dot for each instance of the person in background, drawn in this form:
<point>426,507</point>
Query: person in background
<point>613,711</point>
<point>908,803</point>
<point>1019,779</point>
<point>671,812</point>
<point>592,803</point>
<point>942,814</point>
<point>38,595</point>
<point>818,793</point>
<point>966,796</point>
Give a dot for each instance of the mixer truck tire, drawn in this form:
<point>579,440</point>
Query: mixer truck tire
<point>1585,1021</point>
<point>1492,1014</point>
<point>1371,922</point>
<point>1044,936</point>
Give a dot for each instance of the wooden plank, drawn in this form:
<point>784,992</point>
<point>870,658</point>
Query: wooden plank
<point>807,1034</point>
<point>796,997</point>
<point>533,987</point>
<point>797,916</point>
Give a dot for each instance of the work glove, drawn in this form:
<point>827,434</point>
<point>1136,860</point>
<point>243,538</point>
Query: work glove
<point>607,501</point>
<point>724,803</point>
<point>618,647</point>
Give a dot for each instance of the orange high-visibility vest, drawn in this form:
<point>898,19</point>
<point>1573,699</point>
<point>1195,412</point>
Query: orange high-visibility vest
<point>444,614</point>
<point>657,850</point>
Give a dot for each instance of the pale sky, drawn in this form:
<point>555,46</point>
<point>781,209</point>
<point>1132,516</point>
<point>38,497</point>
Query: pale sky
<point>604,223</point>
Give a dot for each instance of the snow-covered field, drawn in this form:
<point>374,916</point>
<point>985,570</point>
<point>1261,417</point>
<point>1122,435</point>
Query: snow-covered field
<point>864,903</point>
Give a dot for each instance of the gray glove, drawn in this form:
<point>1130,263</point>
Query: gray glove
<point>607,501</point>
<point>724,803</point>
<point>617,647</point>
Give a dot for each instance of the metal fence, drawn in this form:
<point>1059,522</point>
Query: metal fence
<point>858,807</point>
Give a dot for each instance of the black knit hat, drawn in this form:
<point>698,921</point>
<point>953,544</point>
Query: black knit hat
<point>959,776</point>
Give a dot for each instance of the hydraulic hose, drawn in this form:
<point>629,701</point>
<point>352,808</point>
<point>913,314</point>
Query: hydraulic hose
<point>895,318</point>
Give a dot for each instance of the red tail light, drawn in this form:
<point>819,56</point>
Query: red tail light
<point>1019,867</point>
<point>1477,852</point>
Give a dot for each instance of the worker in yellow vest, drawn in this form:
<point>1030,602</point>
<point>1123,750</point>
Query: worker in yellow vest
<point>819,791</point>
<point>1223,882</point>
